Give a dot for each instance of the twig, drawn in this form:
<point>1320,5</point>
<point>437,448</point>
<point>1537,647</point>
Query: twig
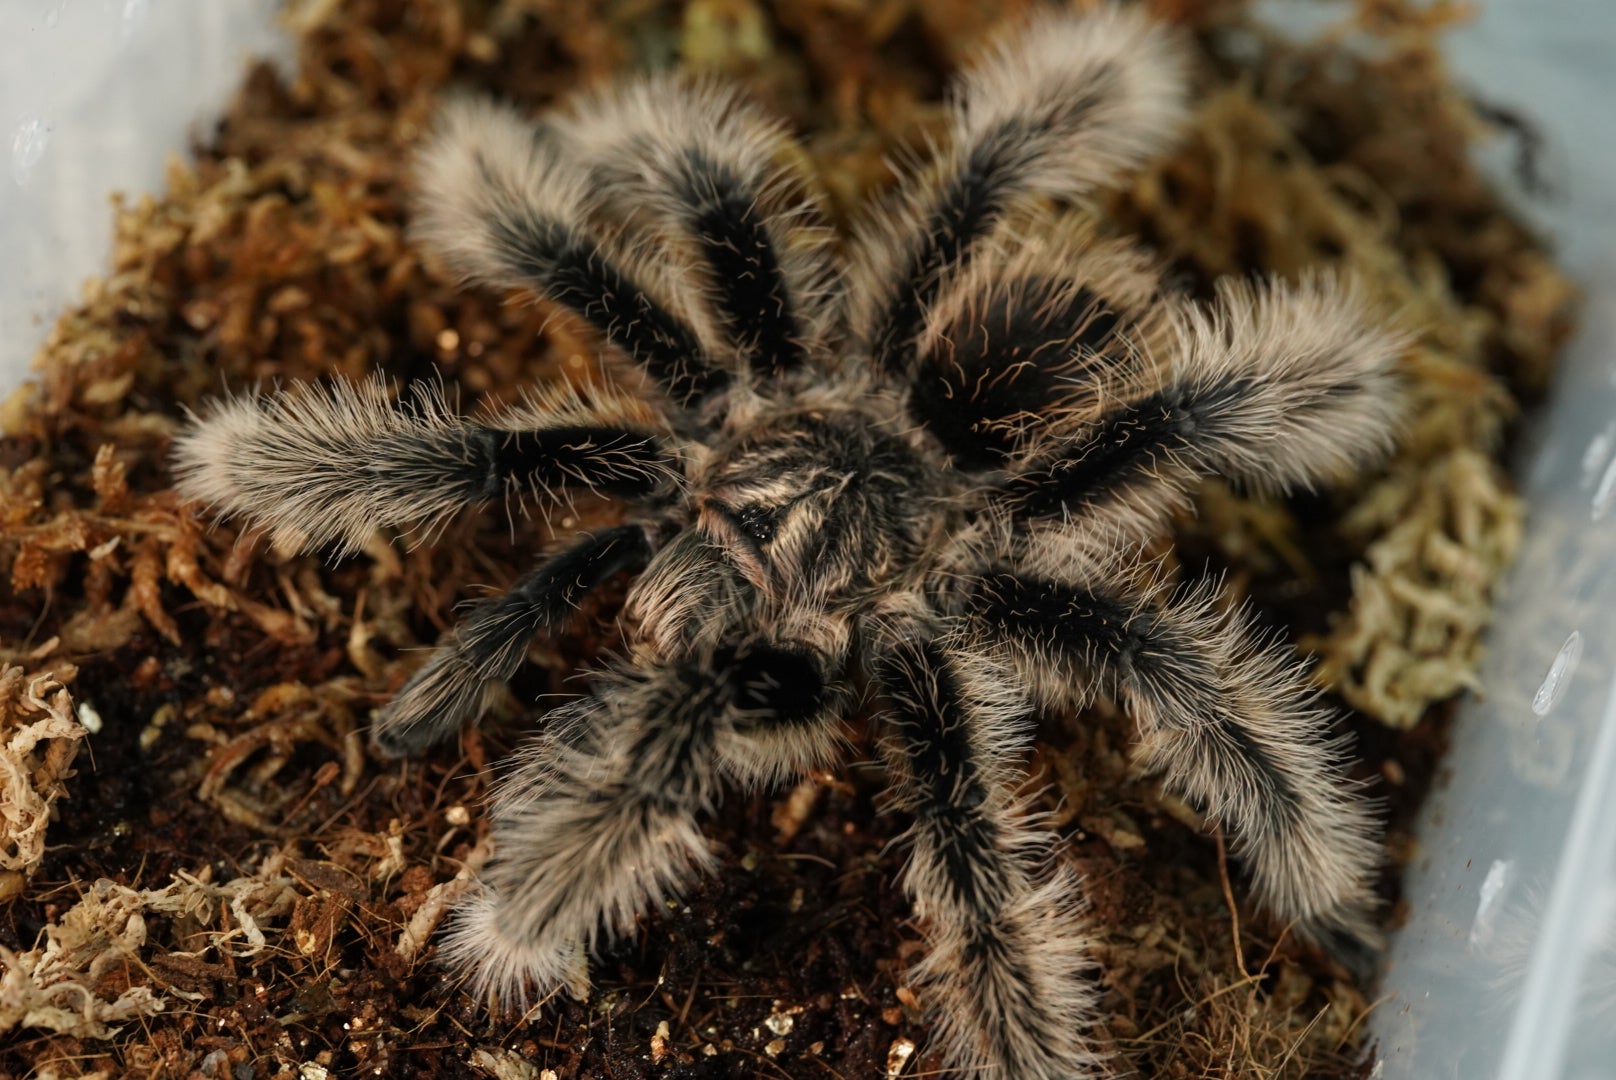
<point>1228,898</point>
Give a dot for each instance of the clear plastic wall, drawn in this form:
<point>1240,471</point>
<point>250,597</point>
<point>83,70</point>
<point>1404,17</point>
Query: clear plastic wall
<point>1506,969</point>
<point>94,96</point>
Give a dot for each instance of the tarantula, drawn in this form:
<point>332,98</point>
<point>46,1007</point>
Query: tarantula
<point>924,470</point>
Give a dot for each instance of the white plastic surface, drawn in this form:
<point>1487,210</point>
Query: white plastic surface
<point>1507,967</point>
<point>94,95</point>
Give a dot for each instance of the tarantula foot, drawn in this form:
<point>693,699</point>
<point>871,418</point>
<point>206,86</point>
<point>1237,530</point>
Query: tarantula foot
<point>433,705</point>
<point>508,972</point>
<point>1355,945</point>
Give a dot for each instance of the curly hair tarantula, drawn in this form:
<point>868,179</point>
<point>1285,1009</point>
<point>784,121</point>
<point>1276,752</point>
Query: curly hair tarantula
<point>923,471</point>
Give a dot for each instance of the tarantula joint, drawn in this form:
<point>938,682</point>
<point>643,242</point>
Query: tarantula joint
<point>924,471</point>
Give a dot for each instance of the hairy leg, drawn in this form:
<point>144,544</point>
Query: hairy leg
<point>598,820</point>
<point>1008,975</point>
<point>1065,107</point>
<point>502,204</point>
<point>1277,387</point>
<point>331,464</point>
<point>790,694</point>
<point>1031,339</point>
<point>1228,717</point>
<point>487,645</point>
<point>719,181</point>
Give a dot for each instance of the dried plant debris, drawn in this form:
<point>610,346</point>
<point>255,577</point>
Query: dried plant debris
<point>232,888</point>
<point>40,732</point>
<point>1361,161</point>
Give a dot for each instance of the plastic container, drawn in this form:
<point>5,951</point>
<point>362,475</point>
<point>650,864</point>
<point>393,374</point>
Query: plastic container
<point>94,96</point>
<point>1506,968</point>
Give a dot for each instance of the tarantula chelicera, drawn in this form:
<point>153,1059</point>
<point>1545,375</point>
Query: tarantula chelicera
<point>923,471</point>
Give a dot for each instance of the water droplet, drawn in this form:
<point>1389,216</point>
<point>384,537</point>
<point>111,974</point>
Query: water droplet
<point>1601,928</point>
<point>1598,452</point>
<point>1605,493</point>
<point>54,16</point>
<point>1554,683</point>
<point>1497,878</point>
<point>27,147</point>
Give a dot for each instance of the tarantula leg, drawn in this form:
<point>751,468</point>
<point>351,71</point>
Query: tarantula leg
<point>1228,718</point>
<point>332,464</point>
<point>1063,108</point>
<point>1031,338</point>
<point>714,173</point>
<point>1008,975</point>
<point>1276,387</point>
<point>501,206</point>
<point>597,822</point>
<point>789,695</point>
<point>487,645</point>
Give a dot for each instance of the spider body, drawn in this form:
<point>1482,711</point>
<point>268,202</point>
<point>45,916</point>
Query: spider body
<point>921,473</point>
<point>831,504</point>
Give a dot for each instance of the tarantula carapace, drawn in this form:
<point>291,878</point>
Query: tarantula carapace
<point>923,470</point>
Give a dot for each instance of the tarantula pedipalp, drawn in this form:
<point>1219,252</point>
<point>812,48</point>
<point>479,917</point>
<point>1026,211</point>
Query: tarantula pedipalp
<point>924,470</point>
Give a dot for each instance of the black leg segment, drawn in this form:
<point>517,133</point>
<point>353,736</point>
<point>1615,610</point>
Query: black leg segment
<point>488,643</point>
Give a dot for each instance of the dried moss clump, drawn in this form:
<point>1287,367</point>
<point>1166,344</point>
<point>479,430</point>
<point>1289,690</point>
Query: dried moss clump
<point>232,887</point>
<point>1361,160</point>
<point>40,735</point>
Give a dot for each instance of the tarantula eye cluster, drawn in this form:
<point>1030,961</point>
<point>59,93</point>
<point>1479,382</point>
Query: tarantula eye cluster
<point>923,470</point>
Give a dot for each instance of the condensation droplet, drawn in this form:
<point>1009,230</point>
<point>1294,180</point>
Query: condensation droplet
<point>1598,452</point>
<point>1497,878</point>
<point>1605,493</point>
<point>54,15</point>
<point>1554,683</point>
<point>27,147</point>
<point>1602,926</point>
